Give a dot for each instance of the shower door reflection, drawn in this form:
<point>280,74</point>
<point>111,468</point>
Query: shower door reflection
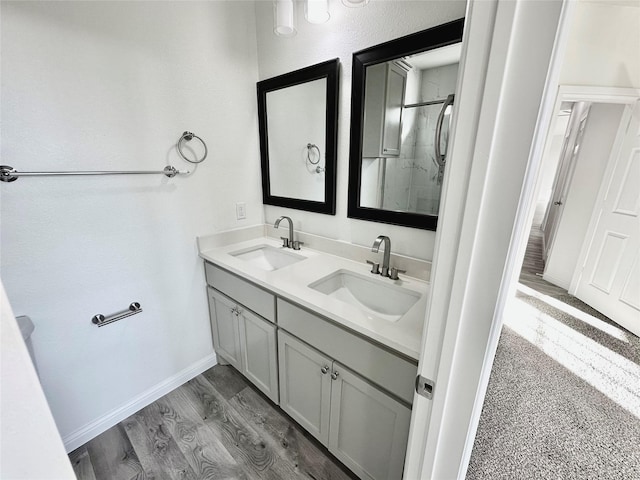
<point>410,180</point>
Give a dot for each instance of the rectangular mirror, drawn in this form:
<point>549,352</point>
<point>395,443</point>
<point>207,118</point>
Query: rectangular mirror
<point>401,102</point>
<point>298,121</point>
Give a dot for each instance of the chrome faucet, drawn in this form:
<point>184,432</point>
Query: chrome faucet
<point>288,242</point>
<point>384,270</point>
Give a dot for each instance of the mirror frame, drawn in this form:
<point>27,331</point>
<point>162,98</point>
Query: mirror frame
<point>432,38</point>
<point>330,71</point>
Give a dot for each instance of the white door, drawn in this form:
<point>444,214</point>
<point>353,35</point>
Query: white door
<point>566,166</point>
<point>610,279</point>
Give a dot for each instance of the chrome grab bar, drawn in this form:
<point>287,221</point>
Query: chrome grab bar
<point>101,320</point>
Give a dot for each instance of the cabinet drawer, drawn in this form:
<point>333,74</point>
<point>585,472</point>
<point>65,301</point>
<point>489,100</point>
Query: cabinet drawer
<point>249,295</point>
<point>392,372</point>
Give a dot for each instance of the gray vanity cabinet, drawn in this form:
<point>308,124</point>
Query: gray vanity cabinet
<point>359,423</point>
<point>305,385</point>
<point>246,341</point>
<point>259,353</point>
<point>369,429</point>
<point>350,393</point>
<point>225,328</point>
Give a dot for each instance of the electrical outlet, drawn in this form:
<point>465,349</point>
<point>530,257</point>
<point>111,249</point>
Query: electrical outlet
<point>241,210</point>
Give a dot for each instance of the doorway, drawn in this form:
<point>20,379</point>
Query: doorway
<point>564,393</point>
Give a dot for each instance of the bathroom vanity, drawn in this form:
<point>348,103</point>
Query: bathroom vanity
<point>333,345</point>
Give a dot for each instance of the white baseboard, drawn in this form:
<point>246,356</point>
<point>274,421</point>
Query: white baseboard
<point>91,430</point>
<point>555,281</point>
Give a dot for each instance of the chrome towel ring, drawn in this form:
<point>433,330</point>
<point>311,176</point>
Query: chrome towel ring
<point>188,136</point>
<point>310,147</point>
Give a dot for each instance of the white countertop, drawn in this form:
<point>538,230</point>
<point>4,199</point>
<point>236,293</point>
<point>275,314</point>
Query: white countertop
<point>291,283</point>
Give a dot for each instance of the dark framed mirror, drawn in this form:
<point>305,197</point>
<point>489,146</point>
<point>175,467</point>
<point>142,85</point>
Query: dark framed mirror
<point>298,122</point>
<point>401,103</point>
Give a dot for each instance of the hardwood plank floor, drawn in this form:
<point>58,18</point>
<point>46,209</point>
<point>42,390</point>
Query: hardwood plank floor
<point>533,263</point>
<point>112,456</point>
<point>288,441</point>
<point>216,426</point>
<point>155,446</point>
<point>82,463</point>
<point>200,445</point>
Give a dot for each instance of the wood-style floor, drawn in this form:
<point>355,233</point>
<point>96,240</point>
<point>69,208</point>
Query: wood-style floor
<point>533,263</point>
<point>216,426</point>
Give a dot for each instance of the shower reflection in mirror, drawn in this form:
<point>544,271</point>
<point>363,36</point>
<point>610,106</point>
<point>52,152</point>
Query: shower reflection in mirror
<point>407,113</point>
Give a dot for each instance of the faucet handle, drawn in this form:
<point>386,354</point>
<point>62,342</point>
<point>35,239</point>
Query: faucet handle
<point>375,267</point>
<point>285,242</point>
<point>393,275</point>
<point>296,244</point>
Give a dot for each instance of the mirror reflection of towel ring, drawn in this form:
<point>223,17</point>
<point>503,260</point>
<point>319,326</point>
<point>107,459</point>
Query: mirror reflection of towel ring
<point>188,136</point>
<point>310,147</point>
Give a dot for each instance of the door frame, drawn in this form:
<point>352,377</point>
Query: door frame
<point>485,216</point>
<point>628,97</point>
<point>469,315</point>
<point>564,173</point>
<point>591,95</point>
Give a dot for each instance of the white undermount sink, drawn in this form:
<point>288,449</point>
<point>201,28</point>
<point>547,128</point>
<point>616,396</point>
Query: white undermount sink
<point>267,257</point>
<point>382,300</point>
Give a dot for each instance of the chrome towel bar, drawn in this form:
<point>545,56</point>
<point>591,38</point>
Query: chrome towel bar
<point>10,174</point>
<point>100,320</point>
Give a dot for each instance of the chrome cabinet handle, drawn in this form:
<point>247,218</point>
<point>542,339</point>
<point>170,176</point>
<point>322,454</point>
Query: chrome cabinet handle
<point>325,369</point>
<point>559,202</point>
<point>334,375</point>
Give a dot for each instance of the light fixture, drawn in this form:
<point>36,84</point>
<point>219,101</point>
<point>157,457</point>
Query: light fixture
<point>355,3</point>
<point>284,19</point>
<point>316,11</point>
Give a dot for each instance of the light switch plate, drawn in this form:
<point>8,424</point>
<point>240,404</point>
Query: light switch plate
<point>241,210</point>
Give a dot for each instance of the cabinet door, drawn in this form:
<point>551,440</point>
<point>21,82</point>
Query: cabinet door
<point>374,107</point>
<point>383,105</point>
<point>391,137</point>
<point>225,328</point>
<point>369,429</point>
<point>305,385</point>
<point>259,355</point>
